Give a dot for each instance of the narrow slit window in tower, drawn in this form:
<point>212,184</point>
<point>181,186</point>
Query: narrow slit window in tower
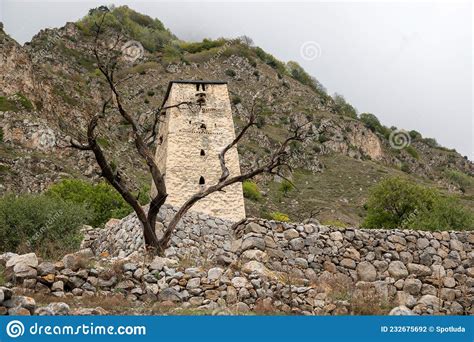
<point>203,153</point>
<point>202,181</point>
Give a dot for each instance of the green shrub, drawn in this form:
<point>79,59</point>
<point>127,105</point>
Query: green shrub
<point>412,152</point>
<point>461,179</point>
<point>371,122</point>
<point>343,107</point>
<point>299,74</point>
<point>38,223</point>
<point>7,105</point>
<point>150,32</point>
<point>236,100</point>
<point>251,191</point>
<point>285,187</point>
<point>206,44</point>
<point>24,102</point>
<point>431,142</point>
<point>230,73</point>
<point>278,216</point>
<point>334,223</point>
<point>415,134</point>
<point>102,199</point>
<point>268,59</point>
<point>405,168</point>
<point>1,134</point>
<point>398,203</point>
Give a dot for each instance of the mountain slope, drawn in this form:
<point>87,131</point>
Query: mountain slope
<point>51,86</point>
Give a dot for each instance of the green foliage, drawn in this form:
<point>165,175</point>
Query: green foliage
<point>398,203</point>
<point>405,168</point>
<point>24,102</point>
<point>412,151</point>
<point>236,100</point>
<point>334,223</point>
<point>102,199</point>
<point>230,73</point>
<point>172,53</point>
<point>42,224</point>
<point>206,44</point>
<point>1,134</point>
<point>415,135</point>
<point>431,142</point>
<point>268,59</point>
<point>299,74</point>
<point>278,216</point>
<point>251,191</point>
<point>150,32</point>
<point>7,105</point>
<point>343,107</point>
<point>461,179</point>
<point>371,122</point>
<point>285,187</point>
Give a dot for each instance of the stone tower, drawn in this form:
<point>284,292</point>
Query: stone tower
<point>189,141</point>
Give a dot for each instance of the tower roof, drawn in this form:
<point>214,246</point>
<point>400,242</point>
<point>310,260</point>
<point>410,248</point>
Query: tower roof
<point>170,84</point>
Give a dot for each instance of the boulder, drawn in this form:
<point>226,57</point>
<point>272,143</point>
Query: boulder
<point>366,271</point>
<point>397,270</point>
<point>412,286</point>
<point>214,273</point>
<point>401,310</point>
<point>253,242</point>
<point>29,259</point>
<point>53,309</point>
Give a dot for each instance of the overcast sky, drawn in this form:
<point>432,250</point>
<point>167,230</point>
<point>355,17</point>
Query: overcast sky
<point>408,63</point>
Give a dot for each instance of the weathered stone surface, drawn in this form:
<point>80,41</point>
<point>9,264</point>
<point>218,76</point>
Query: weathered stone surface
<point>401,311</point>
<point>366,271</point>
<point>397,270</point>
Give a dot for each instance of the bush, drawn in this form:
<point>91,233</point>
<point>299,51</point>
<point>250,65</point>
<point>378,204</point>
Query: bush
<point>206,44</point>
<point>398,203</point>
<point>24,102</point>
<point>299,74</point>
<point>230,73</point>
<point>271,61</point>
<point>405,168</point>
<point>370,121</point>
<point>47,226</point>
<point>102,199</point>
<point>277,216</point>
<point>6,105</point>
<point>431,142</point>
<point>1,134</point>
<point>251,191</point>
<point>343,107</point>
<point>461,179</point>
<point>412,152</point>
<point>415,135</point>
<point>150,32</point>
<point>236,100</point>
<point>285,187</point>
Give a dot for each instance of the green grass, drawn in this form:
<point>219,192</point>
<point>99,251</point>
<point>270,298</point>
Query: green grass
<point>7,105</point>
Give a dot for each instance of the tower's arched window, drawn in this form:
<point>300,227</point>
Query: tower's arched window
<point>203,126</point>
<point>203,153</point>
<point>202,181</point>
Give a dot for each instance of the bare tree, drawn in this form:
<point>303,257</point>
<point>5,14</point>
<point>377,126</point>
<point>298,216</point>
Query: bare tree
<point>107,60</point>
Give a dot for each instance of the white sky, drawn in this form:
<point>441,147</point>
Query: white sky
<point>409,63</point>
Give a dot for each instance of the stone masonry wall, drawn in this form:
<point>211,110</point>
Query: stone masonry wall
<point>426,272</point>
